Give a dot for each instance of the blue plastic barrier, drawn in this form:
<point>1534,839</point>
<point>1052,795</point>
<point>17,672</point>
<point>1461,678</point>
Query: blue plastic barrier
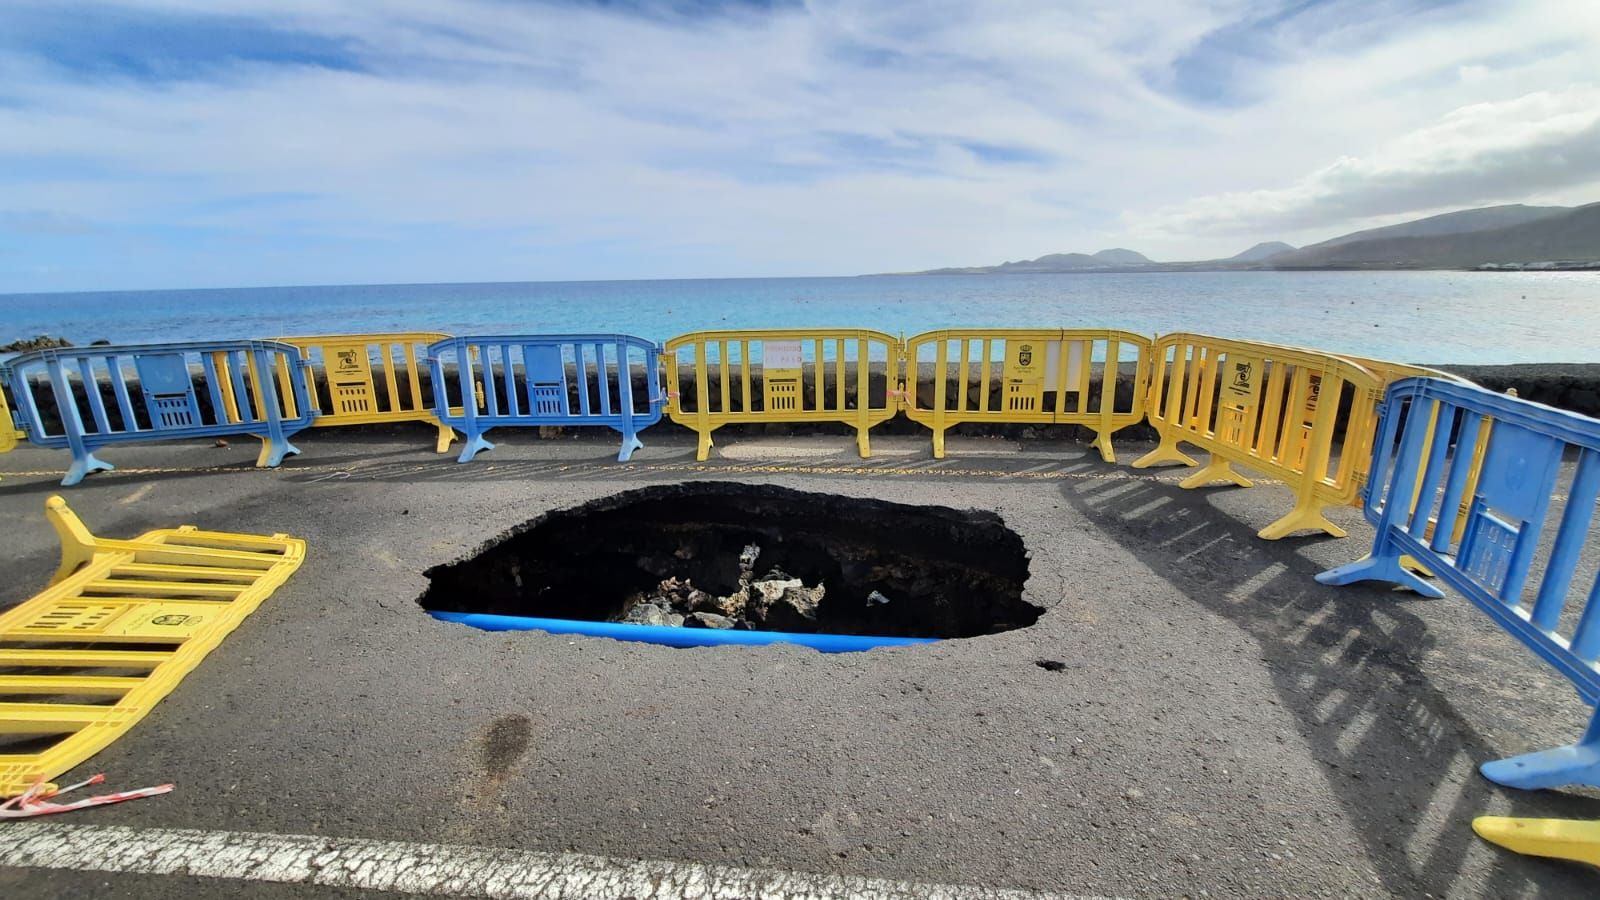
<point>1446,428</point>
<point>670,636</point>
<point>240,396</point>
<point>538,379</point>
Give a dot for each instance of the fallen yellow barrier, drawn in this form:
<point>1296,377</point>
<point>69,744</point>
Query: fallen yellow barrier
<point>1558,838</point>
<point>121,623</point>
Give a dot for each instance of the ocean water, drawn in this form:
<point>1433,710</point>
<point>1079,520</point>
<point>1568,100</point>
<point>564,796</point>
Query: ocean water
<point>1422,317</point>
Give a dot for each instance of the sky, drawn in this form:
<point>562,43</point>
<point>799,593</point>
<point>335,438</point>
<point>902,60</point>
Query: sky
<point>218,143</point>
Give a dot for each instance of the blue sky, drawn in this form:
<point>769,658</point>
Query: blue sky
<point>190,143</point>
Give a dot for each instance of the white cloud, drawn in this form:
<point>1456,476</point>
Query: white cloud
<point>552,141</point>
<point>1482,153</point>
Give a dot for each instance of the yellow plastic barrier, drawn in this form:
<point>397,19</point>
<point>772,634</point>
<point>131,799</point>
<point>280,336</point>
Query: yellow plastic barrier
<point>1268,408</point>
<point>1573,839</point>
<point>347,391</point>
<point>9,435</point>
<point>124,622</point>
<point>727,364</point>
<point>1031,381</point>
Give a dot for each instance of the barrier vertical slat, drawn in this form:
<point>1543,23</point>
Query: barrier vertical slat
<point>863,396</point>
<point>1450,508</point>
<point>941,369</point>
<point>1177,385</point>
<point>1085,355</point>
<point>509,353</point>
<point>241,396</point>
<point>509,376</point>
<point>1063,357</point>
<point>724,361</point>
<point>416,382</point>
<point>1357,452</point>
<point>744,376</point>
<point>469,393</point>
<point>1110,370</point>
<point>624,389</point>
<point>91,392</point>
<point>1411,440</point>
<point>1267,445</point>
<point>702,398</point>
<point>71,421</point>
<point>119,388</point>
<point>602,372</point>
<point>581,369</point>
<point>228,385</point>
<point>1322,436</point>
<point>283,388</point>
<point>1208,390</point>
<point>1441,421</point>
<point>390,381</point>
<point>491,391</point>
<point>838,371</point>
<point>1191,401</point>
<point>1377,476</point>
<point>1292,428</point>
<point>258,397</point>
<point>1586,637</point>
<point>984,394</point>
<point>1564,556</point>
<point>214,383</point>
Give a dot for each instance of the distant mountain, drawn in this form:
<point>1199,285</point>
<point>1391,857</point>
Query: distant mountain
<point>1116,258</point>
<point>1570,234</point>
<point>1493,236</point>
<point>1460,222</point>
<point>1262,251</point>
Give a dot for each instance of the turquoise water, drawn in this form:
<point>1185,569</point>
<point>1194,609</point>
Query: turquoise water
<point>1427,317</point>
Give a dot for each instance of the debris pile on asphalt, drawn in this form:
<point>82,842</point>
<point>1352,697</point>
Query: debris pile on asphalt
<point>774,602</point>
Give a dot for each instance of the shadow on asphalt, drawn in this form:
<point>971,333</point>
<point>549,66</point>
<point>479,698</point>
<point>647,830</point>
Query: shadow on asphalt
<point>1344,662</point>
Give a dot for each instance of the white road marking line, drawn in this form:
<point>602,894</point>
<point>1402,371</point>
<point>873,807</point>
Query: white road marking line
<point>452,869</point>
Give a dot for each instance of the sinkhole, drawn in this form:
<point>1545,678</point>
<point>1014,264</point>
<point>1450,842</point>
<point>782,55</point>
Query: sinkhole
<point>731,558</point>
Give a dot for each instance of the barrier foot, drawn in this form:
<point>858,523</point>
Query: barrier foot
<point>1374,568</point>
<point>1164,453</point>
<point>473,445</point>
<point>447,435</point>
<point>630,443</point>
<point>1558,838</point>
<point>863,443</point>
<point>81,468</point>
<point>1102,442</point>
<point>1217,471</point>
<point>938,443</point>
<point>1301,518</point>
<point>273,452</point>
<point>77,542</point>
<point>1573,764</point>
<point>702,451</point>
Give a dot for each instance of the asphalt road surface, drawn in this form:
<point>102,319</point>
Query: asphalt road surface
<point>1222,725</point>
